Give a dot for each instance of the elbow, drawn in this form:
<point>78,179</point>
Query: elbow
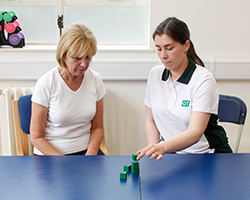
<point>32,139</point>
<point>197,138</point>
<point>99,129</point>
<point>194,135</point>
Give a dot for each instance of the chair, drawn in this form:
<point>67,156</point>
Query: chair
<point>22,115</point>
<point>233,110</point>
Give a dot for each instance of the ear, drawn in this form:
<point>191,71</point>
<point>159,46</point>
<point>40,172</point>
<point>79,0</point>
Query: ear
<point>187,46</point>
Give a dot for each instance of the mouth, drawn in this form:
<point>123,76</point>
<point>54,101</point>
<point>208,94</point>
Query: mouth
<point>82,69</point>
<point>166,62</point>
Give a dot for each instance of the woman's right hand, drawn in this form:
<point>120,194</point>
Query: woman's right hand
<point>152,151</point>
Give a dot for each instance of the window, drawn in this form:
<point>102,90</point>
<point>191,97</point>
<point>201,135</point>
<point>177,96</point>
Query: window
<point>115,23</point>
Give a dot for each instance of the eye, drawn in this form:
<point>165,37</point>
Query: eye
<point>76,58</point>
<point>158,49</point>
<point>89,58</point>
<point>169,48</point>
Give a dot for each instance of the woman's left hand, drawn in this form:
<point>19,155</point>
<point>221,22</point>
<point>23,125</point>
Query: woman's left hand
<point>151,151</point>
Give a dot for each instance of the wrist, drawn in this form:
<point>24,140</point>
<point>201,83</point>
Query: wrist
<point>91,152</point>
<point>162,147</point>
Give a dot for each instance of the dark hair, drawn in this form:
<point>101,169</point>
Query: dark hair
<point>178,30</point>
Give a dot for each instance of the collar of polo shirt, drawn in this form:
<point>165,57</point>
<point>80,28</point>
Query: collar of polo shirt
<point>185,77</point>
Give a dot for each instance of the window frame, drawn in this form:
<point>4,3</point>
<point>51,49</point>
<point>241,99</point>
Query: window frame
<point>60,11</point>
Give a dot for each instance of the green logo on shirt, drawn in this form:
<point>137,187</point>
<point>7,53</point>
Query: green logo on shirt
<point>185,103</point>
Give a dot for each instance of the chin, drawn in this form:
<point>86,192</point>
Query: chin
<point>167,66</point>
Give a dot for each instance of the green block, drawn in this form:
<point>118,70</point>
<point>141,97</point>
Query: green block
<point>135,167</point>
<point>123,175</point>
<point>127,168</point>
<point>134,156</point>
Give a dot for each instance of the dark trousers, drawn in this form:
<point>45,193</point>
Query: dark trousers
<point>81,153</point>
<point>84,152</point>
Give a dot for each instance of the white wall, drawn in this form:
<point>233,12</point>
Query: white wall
<point>219,30</point>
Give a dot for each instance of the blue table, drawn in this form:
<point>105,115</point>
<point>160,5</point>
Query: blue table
<point>66,178</point>
<point>207,176</point>
<point>196,177</point>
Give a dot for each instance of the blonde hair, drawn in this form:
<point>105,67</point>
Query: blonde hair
<point>77,40</point>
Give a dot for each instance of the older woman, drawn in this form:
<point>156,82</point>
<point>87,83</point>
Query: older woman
<point>67,103</point>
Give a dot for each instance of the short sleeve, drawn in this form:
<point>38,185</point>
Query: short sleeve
<point>43,87</point>
<point>206,96</point>
<point>101,91</point>
<point>147,96</point>
<point>100,88</point>
<point>41,94</point>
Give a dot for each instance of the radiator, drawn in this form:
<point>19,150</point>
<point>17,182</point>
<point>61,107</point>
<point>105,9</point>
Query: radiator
<point>7,134</point>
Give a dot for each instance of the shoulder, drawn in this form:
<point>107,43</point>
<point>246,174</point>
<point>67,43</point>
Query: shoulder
<point>203,71</point>
<point>93,76</point>
<point>44,87</point>
<point>204,81</point>
<point>92,73</point>
<point>48,80</point>
<point>156,70</point>
<point>50,75</point>
<point>202,74</point>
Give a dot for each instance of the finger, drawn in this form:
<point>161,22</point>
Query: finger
<point>159,157</point>
<point>141,154</point>
<point>151,151</point>
<point>154,155</point>
<point>139,151</point>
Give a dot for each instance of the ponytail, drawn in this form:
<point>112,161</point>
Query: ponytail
<point>192,55</point>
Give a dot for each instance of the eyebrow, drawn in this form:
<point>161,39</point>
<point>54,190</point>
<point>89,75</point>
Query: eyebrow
<point>164,45</point>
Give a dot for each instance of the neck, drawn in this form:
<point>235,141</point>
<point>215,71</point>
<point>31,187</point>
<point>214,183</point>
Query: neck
<point>176,74</point>
<point>68,77</point>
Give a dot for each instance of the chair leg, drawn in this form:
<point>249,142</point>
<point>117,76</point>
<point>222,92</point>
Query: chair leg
<point>103,147</point>
<point>238,139</point>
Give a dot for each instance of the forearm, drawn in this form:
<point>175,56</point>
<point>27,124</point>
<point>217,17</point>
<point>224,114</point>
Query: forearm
<point>192,135</point>
<point>174,144</point>
<point>95,141</point>
<point>180,142</point>
<point>45,147</point>
<point>152,134</point>
<point>37,128</point>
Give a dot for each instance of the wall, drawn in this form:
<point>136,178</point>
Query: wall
<point>219,30</point>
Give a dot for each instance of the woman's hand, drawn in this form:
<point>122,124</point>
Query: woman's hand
<point>152,151</point>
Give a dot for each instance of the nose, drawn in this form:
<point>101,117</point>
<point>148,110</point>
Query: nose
<point>84,62</point>
<point>163,54</point>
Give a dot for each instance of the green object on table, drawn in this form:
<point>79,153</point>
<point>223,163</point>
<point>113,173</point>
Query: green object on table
<point>127,168</point>
<point>123,175</point>
<point>135,167</point>
<point>134,156</point>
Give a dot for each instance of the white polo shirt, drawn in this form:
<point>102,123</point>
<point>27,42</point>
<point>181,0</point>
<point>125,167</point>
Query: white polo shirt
<point>172,103</point>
